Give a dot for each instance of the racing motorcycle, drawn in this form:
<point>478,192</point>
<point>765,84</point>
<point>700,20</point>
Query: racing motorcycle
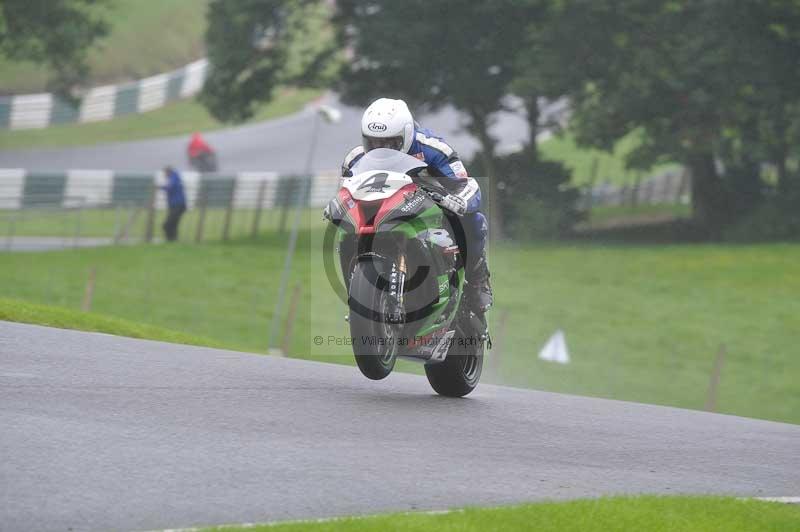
<point>403,272</point>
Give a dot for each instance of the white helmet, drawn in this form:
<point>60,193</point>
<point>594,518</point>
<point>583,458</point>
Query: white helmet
<point>387,123</point>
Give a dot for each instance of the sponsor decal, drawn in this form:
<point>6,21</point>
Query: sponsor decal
<point>458,169</point>
<point>413,203</point>
<point>351,203</point>
<point>393,282</point>
<point>377,127</point>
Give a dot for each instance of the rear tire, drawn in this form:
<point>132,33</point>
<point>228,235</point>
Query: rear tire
<point>374,341</point>
<point>461,370</point>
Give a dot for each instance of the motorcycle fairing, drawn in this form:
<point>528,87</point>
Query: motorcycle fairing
<point>384,159</point>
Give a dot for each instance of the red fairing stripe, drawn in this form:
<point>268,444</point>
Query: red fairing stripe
<point>386,207</point>
<point>347,201</point>
<point>394,201</point>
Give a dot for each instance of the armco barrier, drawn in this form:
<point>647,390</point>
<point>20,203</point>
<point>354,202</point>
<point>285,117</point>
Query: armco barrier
<point>31,111</point>
<point>64,196</point>
<point>96,188</point>
<point>665,188</point>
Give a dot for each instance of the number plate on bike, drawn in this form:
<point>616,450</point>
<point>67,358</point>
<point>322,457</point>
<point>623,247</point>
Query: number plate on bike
<point>442,346</point>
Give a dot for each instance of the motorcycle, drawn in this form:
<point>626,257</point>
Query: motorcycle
<point>204,162</point>
<point>403,272</point>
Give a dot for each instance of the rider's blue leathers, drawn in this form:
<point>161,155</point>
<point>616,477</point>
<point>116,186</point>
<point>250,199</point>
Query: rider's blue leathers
<point>445,166</point>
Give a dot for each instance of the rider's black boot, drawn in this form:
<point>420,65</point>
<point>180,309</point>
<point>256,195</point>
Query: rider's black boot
<point>479,289</point>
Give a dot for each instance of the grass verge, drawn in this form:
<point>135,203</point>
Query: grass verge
<point>146,37</point>
<point>174,119</point>
<point>610,513</point>
<point>65,318</point>
<point>642,322</point>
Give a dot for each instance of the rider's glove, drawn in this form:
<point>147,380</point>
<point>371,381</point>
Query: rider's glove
<point>452,203</point>
<point>326,213</point>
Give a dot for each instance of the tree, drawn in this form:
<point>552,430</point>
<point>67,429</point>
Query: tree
<point>711,84</point>
<point>57,33</point>
<point>255,46</point>
<point>432,54</point>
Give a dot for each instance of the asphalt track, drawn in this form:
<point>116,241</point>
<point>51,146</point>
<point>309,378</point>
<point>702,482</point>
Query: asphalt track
<point>280,145</point>
<point>102,433</point>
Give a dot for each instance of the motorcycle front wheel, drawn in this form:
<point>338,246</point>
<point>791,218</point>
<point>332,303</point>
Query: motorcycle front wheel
<point>374,340</point>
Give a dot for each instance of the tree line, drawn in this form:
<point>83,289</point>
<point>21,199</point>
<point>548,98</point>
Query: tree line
<point>711,84</point>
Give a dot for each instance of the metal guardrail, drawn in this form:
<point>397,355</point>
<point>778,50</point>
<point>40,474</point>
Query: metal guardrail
<point>667,188</point>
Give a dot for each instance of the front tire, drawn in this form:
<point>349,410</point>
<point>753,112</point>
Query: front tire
<point>460,371</point>
<point>374,340</point>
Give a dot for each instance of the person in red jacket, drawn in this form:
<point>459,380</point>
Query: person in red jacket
<point>201,157</point>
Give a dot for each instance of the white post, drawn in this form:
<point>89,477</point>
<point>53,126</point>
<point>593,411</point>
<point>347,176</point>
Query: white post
<point>330,115</point>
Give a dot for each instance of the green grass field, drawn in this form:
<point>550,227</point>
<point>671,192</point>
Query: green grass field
<point>146,37</point>
<point>654,514</point>
<point>642,323</point>
<point>610,167</point>
<point>129,223</point>
<point>177,118</point>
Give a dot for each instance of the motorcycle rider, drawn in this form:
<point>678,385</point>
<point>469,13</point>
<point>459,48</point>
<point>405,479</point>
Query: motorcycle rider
<point>201,156</point>
<point>388,123</point>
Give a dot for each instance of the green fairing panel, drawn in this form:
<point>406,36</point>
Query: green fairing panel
<point>430,218</point>
<point>430,324</point>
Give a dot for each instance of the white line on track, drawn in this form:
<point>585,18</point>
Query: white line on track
<point>785,500</point>
<point>301,521</point>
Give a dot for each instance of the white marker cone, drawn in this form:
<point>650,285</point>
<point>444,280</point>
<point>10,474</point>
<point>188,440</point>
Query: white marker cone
<point>555,350</point>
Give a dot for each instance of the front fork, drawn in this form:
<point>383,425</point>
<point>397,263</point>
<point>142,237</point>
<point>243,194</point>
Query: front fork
<point>397,281</point>
<point>397,276</point>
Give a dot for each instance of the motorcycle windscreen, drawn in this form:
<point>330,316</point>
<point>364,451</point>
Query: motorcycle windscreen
<point>387,160</point>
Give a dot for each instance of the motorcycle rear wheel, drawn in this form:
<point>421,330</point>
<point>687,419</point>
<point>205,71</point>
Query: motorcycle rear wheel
<point>460,371</point>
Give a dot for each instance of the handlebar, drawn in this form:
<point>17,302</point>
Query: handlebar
<point>436,193</point>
